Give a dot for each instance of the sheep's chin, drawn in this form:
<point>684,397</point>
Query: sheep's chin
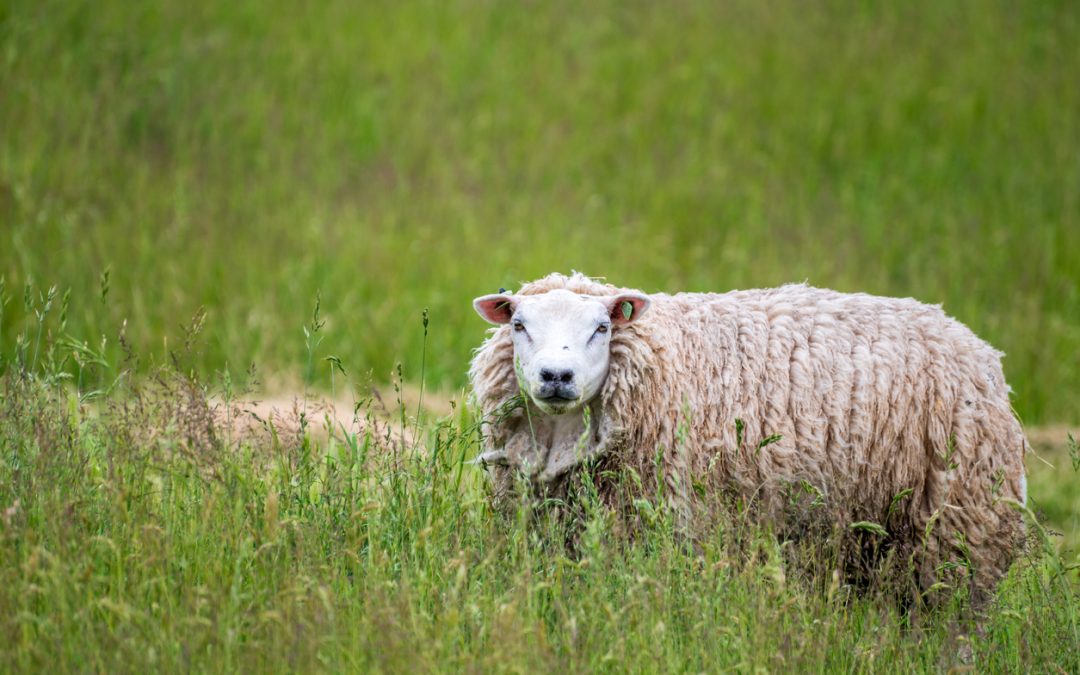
<point>548,408</point>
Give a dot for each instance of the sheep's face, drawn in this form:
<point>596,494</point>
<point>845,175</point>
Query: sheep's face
<point>561,341</point>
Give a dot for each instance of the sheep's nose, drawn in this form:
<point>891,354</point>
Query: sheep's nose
<point>565,376</point>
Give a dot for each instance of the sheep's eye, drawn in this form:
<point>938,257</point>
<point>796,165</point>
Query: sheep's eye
<point>519,327</point>
<point>602,328</point>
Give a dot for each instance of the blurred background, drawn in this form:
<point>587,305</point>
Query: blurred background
<point>161,157</point>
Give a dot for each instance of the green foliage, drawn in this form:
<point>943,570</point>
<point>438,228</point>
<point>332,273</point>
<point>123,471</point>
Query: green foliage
<point>769,440</point>
<point>239,156</point>
<point>137,533</point>
<point>871,527</point>
<point>898,498</point>
<point>123,550</point>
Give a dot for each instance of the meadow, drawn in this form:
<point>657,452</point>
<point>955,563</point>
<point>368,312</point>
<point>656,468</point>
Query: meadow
<point>182,184</point>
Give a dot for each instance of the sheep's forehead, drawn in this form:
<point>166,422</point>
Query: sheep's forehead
<point>561,307</point>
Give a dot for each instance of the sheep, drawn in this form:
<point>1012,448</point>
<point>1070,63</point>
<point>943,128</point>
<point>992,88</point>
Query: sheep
<point>888,410</point>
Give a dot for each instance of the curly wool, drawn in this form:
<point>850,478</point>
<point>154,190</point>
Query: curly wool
<point>892,411</point>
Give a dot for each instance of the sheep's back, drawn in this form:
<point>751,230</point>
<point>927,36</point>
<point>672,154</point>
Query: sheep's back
<point>869,396</point>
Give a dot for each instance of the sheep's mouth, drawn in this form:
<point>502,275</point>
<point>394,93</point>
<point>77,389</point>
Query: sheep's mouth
<point>556,399</point>
<point>556,404</point>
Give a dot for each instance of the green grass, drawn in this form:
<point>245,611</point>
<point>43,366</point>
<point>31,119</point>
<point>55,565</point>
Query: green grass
<point>1055,494</point>
<point>140,531</point>
<point>396,156</point>
<point>135,535</point>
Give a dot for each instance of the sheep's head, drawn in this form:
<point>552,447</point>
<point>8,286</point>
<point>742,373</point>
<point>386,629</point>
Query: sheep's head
<point>561,341</point>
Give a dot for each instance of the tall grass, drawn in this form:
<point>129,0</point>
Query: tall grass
<point>239,156</point>
<point>137,534</point>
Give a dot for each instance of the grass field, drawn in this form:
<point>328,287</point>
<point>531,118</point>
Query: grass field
<point>137,535</point>
<point>193,179</point>
<point>243,156</point>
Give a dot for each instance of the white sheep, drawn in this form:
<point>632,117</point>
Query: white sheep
<point>889,410</point>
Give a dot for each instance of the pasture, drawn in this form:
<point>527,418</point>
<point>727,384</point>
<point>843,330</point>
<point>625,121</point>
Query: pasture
<point>202,203</point>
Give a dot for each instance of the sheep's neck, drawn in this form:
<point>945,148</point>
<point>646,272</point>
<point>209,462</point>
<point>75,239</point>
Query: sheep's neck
<point>559,443</point>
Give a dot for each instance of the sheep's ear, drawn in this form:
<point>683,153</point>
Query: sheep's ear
<point>496,309</point>
<point>627,307</point>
